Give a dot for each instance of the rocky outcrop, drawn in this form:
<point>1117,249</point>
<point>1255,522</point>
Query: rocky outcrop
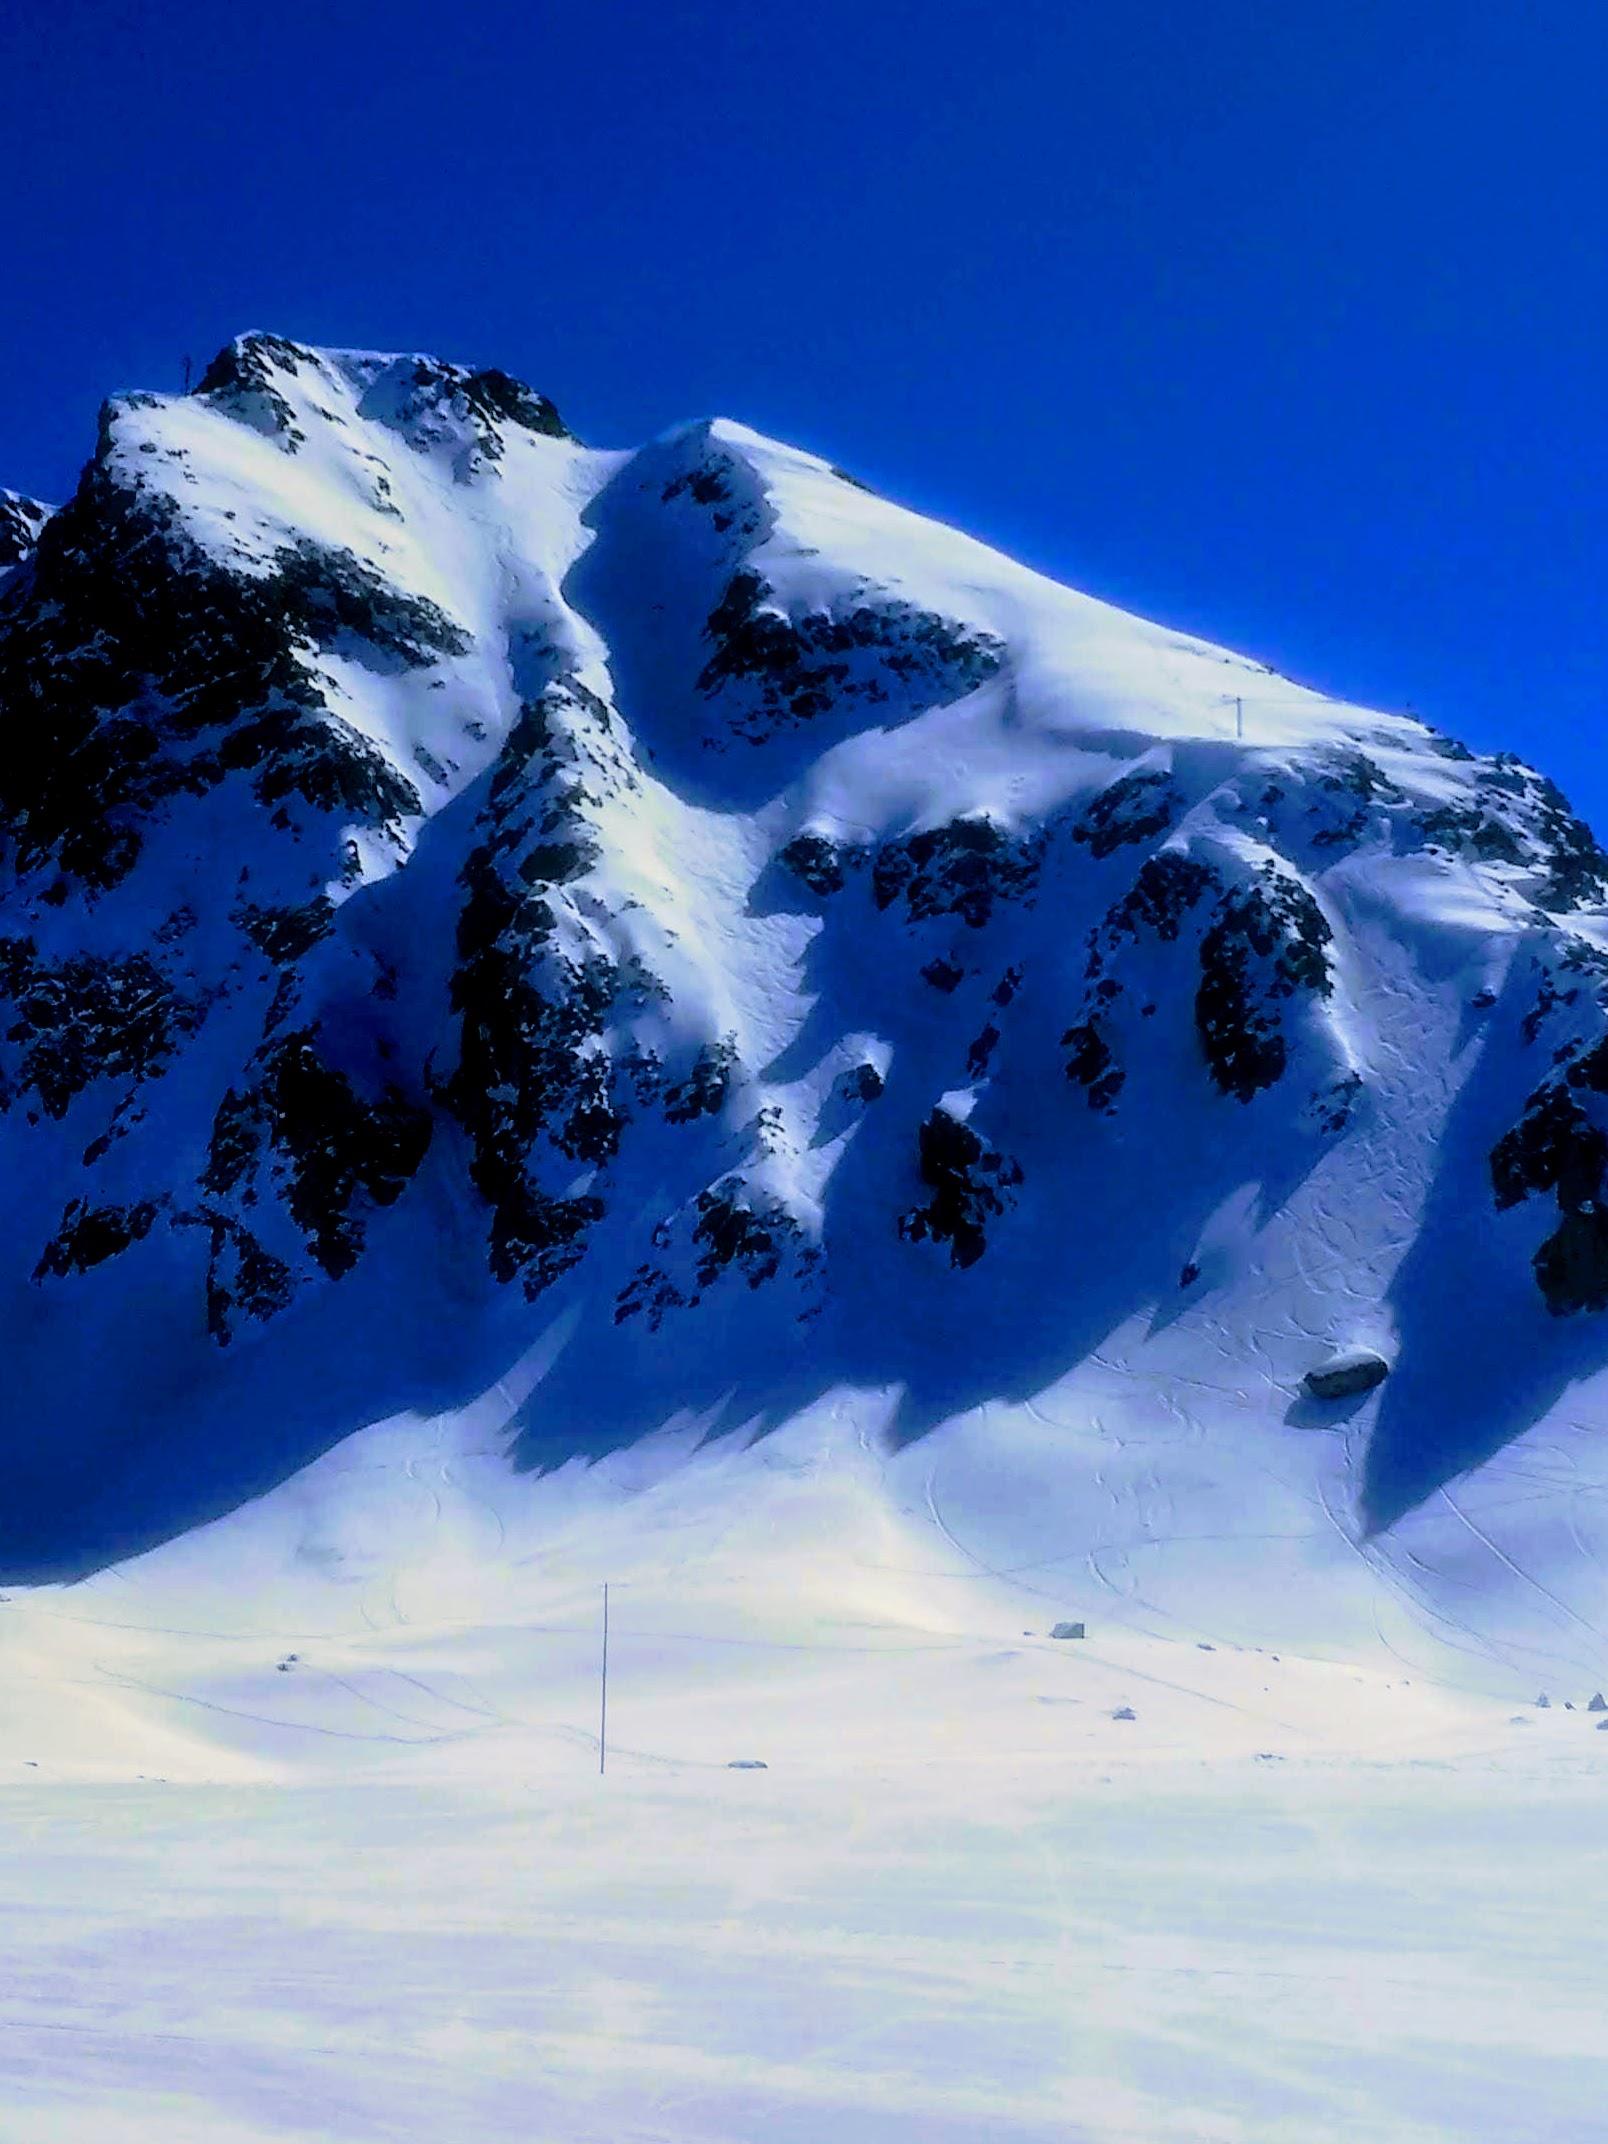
<point>775,670</point>
<point>736,1227</point>
<point>970,1186</point>
<point>966,869</point>
<point>1261,951</point>
<point>1267,942</point>
<point>537,1085</point>
<point>89,1018</point>
<point>817,861</point>
<point>1132,809</point>
<point>150,670</point>
<point>302,1127</point>
<point>21,519</point>
<point>1560,1145</point>
<point>1516,816</point>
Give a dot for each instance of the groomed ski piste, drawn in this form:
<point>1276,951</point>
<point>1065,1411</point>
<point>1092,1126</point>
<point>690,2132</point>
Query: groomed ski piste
<point>1215,1030</point>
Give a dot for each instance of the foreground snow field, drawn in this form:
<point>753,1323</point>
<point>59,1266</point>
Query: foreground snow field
<point>940,1950</point>
<point>307,1840</point>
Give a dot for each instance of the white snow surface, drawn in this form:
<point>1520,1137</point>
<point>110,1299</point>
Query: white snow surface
<point>307,1837</point>
<point>308,1834</point>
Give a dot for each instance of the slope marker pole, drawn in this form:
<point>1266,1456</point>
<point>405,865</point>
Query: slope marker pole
<point>1239,717</point>
<point>603,1717</point>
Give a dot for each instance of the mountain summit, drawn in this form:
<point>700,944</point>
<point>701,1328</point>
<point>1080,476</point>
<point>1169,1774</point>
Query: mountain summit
<point>670,936</point>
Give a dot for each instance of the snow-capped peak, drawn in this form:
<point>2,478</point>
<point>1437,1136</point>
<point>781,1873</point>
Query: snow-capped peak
<point>462,886</point>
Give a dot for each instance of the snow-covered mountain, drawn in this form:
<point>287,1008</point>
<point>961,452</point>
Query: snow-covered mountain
<point>673,938</point>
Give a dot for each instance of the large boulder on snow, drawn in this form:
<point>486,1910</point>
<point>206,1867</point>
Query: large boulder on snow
<point>1343,1376</point>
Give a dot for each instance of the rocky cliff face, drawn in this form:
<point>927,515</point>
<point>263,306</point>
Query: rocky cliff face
<point>462,893</point>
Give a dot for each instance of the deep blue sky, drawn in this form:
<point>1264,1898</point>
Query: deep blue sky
<point>1280,321</point>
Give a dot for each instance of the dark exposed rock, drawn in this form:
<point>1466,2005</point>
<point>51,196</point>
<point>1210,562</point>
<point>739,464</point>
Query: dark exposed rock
<point>816,860</point>
<point>535,1072</point>
<point>703,1092</point>
<point>1560,1145</point>
<point>244,379</point>
<point>1167,888</point>
<point>242,1274</point>
<point>722,489</point>
<point>1267,942</point>
<point>149,669</point>
<point>1547,998</point>
<point>304,1123</point>
<point>89,1235</point>
<point>71,1022</point>
<point>1465,828</point>
<point>1090,1061</point>
<point>861,1083</point>
<point>650,1293</point>
<point>733,1230</point>
<point>435,406</point>
<point>1129,810</point>
<point>708,486</point>
<point>981,1051</point>
<point>795,670</point>
<point>1333,1106</point>
<point>1577,868</point>
<point>1344,805</point>
<point>730,1227</point>
<point>945,976</point>
<point>1520,817</point>
<point>21,519</point>
<point>961,869</point>
<point>1571,1267</point>
<point>285,934</point>
<point>1355,774</point>
<point>969,1183</point>
<point>498,397</point>
<point>1555,1146</point>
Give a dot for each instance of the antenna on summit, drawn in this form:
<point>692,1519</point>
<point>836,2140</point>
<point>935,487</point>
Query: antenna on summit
<point>187,372</point>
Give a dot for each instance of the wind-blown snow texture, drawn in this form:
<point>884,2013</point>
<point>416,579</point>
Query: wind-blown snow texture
<point>687,934</point>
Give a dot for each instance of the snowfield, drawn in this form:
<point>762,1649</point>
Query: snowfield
<point>653,1019</point>
<point>307,1837</point>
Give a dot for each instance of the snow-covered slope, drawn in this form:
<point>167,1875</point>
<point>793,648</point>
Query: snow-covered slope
<point>671,942</point>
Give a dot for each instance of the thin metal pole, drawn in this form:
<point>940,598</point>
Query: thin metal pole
<point>603,1722</point>
<point>1239,718</point>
